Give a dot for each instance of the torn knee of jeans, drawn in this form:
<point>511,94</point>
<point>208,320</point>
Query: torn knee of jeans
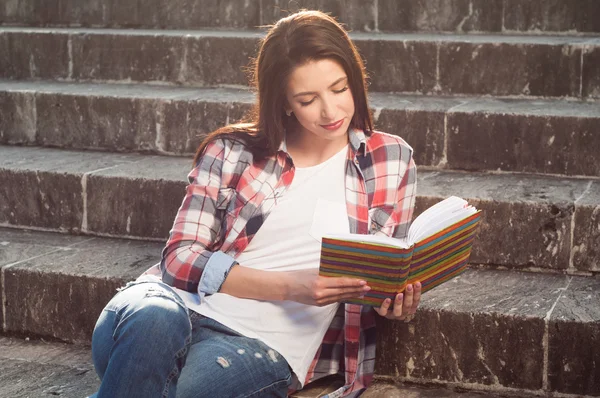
<point>223,362</point>
<point>273,355</point>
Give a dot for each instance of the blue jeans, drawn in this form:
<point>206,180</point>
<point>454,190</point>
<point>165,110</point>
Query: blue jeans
<point>146,345</point>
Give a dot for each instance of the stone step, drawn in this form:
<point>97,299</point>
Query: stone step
<point>536,136</point>
<point>37,368</point>
<point>529,222</point>
<point>498,65</point>
<point>53,368</point>
<point>522,16</point>
<point>501,331</point>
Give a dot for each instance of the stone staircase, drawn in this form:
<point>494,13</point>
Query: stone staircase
<point>102,101</point>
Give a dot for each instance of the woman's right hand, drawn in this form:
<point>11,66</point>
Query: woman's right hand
<point>308,287</point>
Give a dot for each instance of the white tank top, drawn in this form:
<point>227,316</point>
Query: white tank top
<point>289,239</point>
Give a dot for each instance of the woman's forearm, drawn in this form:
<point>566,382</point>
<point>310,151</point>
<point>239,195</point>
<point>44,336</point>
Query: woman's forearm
<point>256,284</point>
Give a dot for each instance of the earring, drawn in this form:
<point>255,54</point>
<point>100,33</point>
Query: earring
<point>289,113</point>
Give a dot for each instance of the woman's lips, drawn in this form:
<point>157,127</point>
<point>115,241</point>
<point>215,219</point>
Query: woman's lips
<point>333,126</point>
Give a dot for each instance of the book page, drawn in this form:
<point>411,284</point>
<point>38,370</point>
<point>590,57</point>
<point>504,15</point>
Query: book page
<point>438,217</point>
<point>375,239</point>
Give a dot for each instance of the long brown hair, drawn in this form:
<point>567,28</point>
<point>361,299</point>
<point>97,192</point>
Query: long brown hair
<point>294,40</point>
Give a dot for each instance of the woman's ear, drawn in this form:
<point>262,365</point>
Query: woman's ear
<point>287,108</point>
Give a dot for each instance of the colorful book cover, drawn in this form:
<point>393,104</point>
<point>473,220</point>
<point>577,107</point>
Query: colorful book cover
<point>388,268</point>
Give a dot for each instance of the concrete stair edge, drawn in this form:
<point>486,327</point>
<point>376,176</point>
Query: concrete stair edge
<point>113,194</point>
<point>491,16</point>
<point>172,121</point>
<point>435,64</point>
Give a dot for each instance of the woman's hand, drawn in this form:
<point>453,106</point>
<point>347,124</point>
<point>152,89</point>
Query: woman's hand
<point>405,305</point>
<point>308,287</point>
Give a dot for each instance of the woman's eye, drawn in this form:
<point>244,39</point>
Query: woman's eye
<point>340,91</point>
<point>307,103</point>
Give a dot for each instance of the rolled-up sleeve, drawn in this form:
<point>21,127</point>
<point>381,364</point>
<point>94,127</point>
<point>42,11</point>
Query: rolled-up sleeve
<point>191,260</point>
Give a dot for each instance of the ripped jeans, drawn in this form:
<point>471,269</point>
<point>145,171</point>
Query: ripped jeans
<point>145,345</point>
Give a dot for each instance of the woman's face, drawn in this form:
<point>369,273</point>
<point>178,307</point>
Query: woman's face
<point>319,96</point>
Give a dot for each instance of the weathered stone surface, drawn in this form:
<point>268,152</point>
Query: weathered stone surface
<point>424,130</point>
<point>528,136</point>
<point>17,124</point>
<point>17,246</point>
<point>552,16</point>
<point>419,121</point>
<point>199,58</point>
<point>481,327</point>
<point>139,199</point>
<point>586,234</point>
<point>72,285</point>
<point>28,12</point>
<point>50,369</point>
<point>44,352</point>
<point>440,15</point>
<point>510,69</point>
<point>184,123</point>
<point>55,202</point>
<point>408,65</point>
<point>28,379</point>
<point>96,122</point>
<point>526,220</point>
<point>413,63</point>
<point>214,60</point>
<point>523,16</point>
<point>117,117</point>
<point>574,341</point>
<point>180,14</point>
<point>28,55</point>
<point>357,15</point>
<point>176,14</point>
<point>541,136</point>
<point>44,189</point>
<point>129,57</point>
<point>381,389</point>
<point>590,84</point>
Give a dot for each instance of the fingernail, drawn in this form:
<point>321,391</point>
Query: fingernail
<point>363,283</point>
<point>367,288</point>
<point>418,285</point>
<point>388,301</point>
<point>409,288</point>
<point>400,297</point>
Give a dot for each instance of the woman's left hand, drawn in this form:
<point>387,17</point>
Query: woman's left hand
<point>405,305</point>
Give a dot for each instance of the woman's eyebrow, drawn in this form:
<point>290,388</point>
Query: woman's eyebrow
<point>312,92</point>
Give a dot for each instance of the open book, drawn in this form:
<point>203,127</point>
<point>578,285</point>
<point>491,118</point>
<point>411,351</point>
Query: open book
<point>436,249</point>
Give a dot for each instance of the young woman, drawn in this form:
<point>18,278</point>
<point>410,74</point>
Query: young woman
<point>236,307</point>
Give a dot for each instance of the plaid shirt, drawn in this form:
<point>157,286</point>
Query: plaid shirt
<point>229,197</point>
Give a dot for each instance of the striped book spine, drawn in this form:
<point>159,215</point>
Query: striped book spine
<point>387,270</point>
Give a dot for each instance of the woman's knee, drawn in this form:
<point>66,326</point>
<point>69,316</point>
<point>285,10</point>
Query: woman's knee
<point>155,307</point>
<point>142,314</point>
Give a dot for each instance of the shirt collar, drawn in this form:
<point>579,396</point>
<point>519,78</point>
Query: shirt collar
<point>358,141</point>
<point>356,138</point>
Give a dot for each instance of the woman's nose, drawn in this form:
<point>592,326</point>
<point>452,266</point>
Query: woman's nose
<point>328,110</point>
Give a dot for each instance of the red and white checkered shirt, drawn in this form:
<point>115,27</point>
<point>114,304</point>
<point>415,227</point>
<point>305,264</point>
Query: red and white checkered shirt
<point>230,195</point>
